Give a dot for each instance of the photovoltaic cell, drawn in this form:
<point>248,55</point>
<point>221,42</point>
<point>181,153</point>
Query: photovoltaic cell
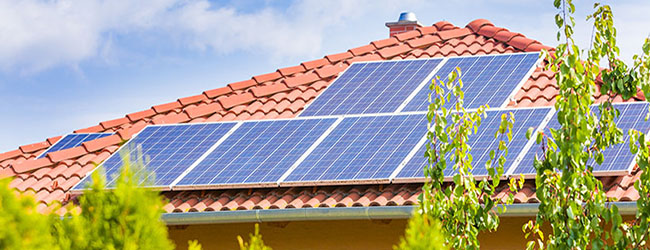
<point>617,158</point>
<point>373,87</point>
<point>257,152</point>
<point>73,140</point>
<point>166,151</point>
<point>484,141</point>
<point>362,148</point>
<point>486,79</point>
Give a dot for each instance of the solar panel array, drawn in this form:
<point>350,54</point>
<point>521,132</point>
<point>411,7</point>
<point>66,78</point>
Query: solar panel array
<point>73,140</point>
<point>618,158</point>
<point>486,79</point>
<point>357,131</point>
<point>484,141</point>
<point>375,87</point>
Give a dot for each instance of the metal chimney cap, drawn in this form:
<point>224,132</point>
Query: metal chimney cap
<point>407,17</point>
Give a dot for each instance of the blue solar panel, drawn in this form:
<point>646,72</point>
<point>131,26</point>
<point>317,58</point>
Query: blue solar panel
<point>483,142</point>
<point>73,140</point>
<point>167,150</point>
<point>362,148</point>
<point>257,152</point>
<point>486,79</point>
<point>618,158</point>
<point>374,87</point>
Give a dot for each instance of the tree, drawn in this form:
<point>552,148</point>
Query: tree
<point>465,208</point>
<point>572,201</point>
<point>255,243</point>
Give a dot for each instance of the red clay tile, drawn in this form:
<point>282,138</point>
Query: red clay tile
<point>385,42</point>
<point>34,147</point>
<point>328,71</point>
<point>315,63</point>
<point>476,25</point>
<point>366,58</point>
<point>424,41</point>
<point>427,30</point>
<point>490,31</point>
<point>269,89</point>
<point>234,100</point>
<point>93,129</point>
<point>291,70</point>
<point>114,122</point>
<point>10,154</point>
<point>520,42</point>
<point>162,108</point>
<point>97,144</point>
<point>505,35</point>
<point>192,99</point>
<point>455,33</point>
<point>99,158</point>
<point>242,84</point>
<point>204,110</point>
<point>30,165</point>
<point>172,118</point>
<point>362,50</point>
<point>408,35</point>
<point>65,154</point>
<point>217,92</point>
<point>393,51</point>
<point>537,47</point>
<point>338,57</point>
<point>267,77</point>
<point>140,115</point>
<point>301,79</point>
<point>7,172</point>
<point>38,174</point>
<point>26,184</point>
<point>53,140</point>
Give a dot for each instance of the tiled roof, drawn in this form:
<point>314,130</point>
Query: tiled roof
<point>279,94</point>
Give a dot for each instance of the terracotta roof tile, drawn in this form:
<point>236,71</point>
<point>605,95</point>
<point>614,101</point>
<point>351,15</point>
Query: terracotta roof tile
<point>314,64</point>
<point>291,70</point>
<point>192,99</point>
<point>269,89</point>
<point>162,108</point>
<point>217,92</point>
<point>10,154</point>
<point>424,41</point>
<point>267,77</point>
<point>385,42</point>
<point>454,33</point>
<point>30,165</point>
<point>301,79</point>
<point>407,35</point>
<point>204,110</point>
<point>427,30</point>
<point>393,51</point>
<point>362,50</point>
<point>234,100</point>
<point>65,154</point>
<point>242,84</point>
<point>126,133</point>
<point>92,129</point>
<point>114,122</point>
<point>477,24</point>
<point>329,71</point>
<point>338,57</point>
<point>171,118</point>
<point>34,147</point>
<point>140,115</point>
<point>53,140</point>
<point>97,144</point>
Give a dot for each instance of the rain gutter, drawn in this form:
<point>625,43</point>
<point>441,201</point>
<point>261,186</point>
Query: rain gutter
<point>337,213</point>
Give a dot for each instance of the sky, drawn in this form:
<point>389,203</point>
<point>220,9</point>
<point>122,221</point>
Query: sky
<point>68,64</point>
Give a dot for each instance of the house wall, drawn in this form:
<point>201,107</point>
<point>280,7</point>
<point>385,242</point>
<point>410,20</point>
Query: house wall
<point>357,234</point>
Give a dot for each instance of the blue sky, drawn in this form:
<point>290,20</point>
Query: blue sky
<point>66,65</point>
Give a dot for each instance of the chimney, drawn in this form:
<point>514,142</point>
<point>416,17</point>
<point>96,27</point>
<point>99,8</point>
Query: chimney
<point>407,22</point>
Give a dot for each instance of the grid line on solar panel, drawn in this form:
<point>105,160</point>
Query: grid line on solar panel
<point>487,79</point>
<point>361,149</point>
<point>165,151</point>
<point>372,87</point>
<point>618,158</point>
<point>72,140</point>
<point>482,143</point>
<point>258,153</point>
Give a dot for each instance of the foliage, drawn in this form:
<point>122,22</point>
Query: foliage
<point>572,201</point>
<point>255,243</point>
<point>194,245</point>
<point>422,233</point>
<point>467,206</point>
<point>126,217</point>
<point>22,226</point>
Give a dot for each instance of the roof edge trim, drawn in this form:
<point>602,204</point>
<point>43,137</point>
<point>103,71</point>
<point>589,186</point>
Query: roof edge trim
<point>338,213</point>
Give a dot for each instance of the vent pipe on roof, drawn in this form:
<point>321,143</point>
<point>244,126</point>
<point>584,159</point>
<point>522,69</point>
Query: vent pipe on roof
<point>406,22</point>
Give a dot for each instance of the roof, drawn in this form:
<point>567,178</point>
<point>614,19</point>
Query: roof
<point>283,94</point>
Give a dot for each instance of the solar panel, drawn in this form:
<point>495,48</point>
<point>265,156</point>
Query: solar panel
<point>360,149</point>
<point>257,152</point>
<point>73,140</point>
<point>483,142</point>
<point>486,79</point>
<point>372,87</point>
<point>165,150</point>
<point>617,159</point>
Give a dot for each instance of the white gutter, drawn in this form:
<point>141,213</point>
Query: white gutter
<point>336,213</point>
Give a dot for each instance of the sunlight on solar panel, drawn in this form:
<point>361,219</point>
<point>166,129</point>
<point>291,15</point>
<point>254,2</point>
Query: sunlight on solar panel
<point>257,152</point>
<point>482,143</point>
<point>486,79</point>
<point>73,140</point>
<point>362,148</point>
<point>618,158</point>
<point>166,150</point>
<point>372,87</point>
